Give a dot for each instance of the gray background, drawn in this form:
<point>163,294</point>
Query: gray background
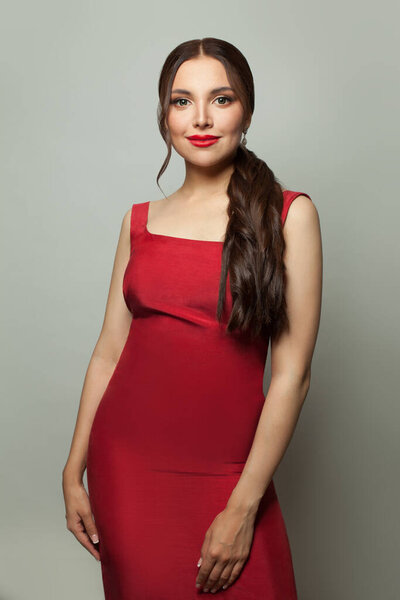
<point>80,144</point>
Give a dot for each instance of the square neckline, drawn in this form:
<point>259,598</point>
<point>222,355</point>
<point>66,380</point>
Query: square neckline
<point>173,237</point>
<point>180,239</point>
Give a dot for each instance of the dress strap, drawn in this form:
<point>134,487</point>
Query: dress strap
<point>138,220</point>
<point>288,197</point>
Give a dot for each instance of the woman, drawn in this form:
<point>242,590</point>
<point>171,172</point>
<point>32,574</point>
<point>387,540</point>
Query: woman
<point>179,443</point>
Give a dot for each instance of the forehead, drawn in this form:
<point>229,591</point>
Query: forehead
<point>204,72</point>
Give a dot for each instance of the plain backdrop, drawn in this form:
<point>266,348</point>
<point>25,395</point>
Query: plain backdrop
<point>80,145</point>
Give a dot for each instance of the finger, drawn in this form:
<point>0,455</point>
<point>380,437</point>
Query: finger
<point>237,567</point>
<point>90,527</point>
<point>224,577</point>
<point>204,571</point>
<point>212,581</point>
<point>79,532</point>
<point>83,538</point>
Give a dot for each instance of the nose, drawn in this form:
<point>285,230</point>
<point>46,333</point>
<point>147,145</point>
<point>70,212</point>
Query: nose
<point>202,116</point>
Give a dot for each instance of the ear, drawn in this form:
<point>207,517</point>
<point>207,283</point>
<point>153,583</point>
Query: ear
<point>246,125</point>
<point>165,122</point>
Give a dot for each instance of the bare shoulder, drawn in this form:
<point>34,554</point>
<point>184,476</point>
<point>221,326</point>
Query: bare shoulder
<point>302,232</point>
<point>160,203</point>
<point>126,223</point>
<point>302,214</point>
<point>125,230</point>
<point>127,216</point>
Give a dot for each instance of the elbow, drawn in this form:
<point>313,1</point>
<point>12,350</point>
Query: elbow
<point>304,382</point>
<point>307,379</point>
<point>297,381</point>
<point>306,387</point>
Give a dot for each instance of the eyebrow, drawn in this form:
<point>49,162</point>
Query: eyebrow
<point>214,91</point>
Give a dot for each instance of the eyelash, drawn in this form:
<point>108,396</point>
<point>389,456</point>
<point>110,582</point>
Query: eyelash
<point>181,106</point>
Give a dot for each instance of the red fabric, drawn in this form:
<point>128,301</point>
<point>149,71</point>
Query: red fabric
<point>174,428</point>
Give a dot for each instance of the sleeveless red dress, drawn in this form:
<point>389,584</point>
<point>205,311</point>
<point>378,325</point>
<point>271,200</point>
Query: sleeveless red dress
<point>174,428</point>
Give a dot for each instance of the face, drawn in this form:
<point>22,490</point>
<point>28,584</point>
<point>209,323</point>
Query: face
<point>198,107</point>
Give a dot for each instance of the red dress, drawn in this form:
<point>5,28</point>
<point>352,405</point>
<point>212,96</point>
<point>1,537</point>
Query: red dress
<point>174,429</point>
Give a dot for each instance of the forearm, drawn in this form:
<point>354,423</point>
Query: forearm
<point>97,376</point>
<point>275,428</point>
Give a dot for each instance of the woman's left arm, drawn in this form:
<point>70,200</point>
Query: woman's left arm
<point>291,357</point>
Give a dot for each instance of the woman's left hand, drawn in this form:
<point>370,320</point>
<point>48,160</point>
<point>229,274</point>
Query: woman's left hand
<point>225,549</point>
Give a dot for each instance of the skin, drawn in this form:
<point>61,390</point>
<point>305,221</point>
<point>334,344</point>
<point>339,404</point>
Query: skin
<point>198,211</point>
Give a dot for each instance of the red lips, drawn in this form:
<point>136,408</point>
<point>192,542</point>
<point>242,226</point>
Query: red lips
<point>203,137</point>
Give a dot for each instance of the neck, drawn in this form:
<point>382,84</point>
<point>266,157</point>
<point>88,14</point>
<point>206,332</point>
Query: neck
<point>209,182</point>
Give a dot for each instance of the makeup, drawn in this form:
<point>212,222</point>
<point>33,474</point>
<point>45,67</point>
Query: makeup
<point>203,140</point>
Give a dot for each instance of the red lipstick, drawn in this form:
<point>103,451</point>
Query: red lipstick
<point>203,140</point>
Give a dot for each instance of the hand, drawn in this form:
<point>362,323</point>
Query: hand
<point>225,549</point>
<point>79,516</point>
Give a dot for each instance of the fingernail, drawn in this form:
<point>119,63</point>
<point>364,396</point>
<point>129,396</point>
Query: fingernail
<point>199,562</point>
<point>94,538</point>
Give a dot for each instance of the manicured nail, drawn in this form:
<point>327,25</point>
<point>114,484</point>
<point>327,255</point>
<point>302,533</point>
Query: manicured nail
<point>94,538</point>
<point>199,562</point>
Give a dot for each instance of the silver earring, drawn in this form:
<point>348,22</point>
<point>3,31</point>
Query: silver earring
<point>244,141</point>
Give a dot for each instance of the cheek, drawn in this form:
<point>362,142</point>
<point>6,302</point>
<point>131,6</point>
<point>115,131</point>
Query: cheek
<point>177,123</point>
<point>230,122</point>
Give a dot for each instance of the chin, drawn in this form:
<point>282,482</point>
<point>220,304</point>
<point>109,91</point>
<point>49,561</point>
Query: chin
<point>205,161</point>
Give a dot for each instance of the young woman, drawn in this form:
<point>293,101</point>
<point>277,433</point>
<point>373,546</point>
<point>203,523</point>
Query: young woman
<point>179,443</point>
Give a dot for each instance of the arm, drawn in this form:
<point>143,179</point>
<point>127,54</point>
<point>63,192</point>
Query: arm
<point>112,338</point>
<point>291,356</point>
<point>228,539</point>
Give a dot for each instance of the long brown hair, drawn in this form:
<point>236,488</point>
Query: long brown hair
<point>254,244</point>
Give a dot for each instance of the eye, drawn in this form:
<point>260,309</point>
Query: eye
<point>224,98</point>
<point>178,100</point>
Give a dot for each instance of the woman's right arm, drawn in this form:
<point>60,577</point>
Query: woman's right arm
<point>105,356</point>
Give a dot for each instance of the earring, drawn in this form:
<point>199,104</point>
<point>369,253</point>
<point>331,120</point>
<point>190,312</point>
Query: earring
<point>244,141</point>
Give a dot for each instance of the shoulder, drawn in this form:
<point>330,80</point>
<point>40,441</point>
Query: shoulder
<point>126,220</point>
<point>302,230</point>
<point>302,235</point>
<point>136,206</point>
<point>301,213</point>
